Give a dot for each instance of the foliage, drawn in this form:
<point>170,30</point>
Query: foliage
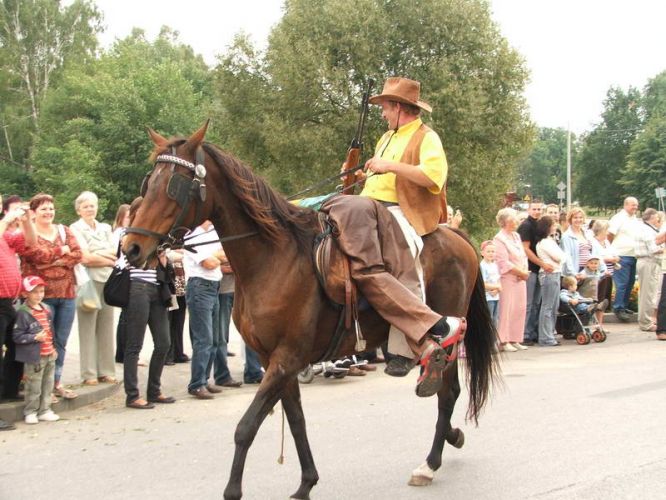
<point>294,108</point>
<point>646,166</point>
<point>38,39</point>
<point>604,150</point>
<point>93,126</point>
<point>546,165</point>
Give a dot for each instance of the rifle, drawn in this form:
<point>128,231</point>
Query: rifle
<point>356,147</point>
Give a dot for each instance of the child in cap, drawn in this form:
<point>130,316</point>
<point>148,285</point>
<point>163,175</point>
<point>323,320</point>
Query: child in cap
<point>33,336</point>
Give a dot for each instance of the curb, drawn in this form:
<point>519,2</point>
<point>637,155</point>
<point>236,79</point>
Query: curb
<point>13,411</point>
<point>610,317</point>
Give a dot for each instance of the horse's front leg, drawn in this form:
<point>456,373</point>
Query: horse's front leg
<point>446,401</point>
<point>269,392</point>
<point>291,401</point>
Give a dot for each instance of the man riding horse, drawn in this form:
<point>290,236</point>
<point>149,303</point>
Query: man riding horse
<point>408,174</point>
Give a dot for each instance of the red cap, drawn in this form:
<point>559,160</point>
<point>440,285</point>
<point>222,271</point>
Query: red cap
<point>30,282</point>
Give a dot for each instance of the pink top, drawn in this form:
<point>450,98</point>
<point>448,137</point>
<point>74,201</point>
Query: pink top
<point>510,252</point>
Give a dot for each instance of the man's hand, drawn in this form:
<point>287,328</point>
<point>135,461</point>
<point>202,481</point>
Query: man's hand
<point>378,165</point>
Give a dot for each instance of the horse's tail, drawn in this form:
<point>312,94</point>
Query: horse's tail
<point>480,344</point>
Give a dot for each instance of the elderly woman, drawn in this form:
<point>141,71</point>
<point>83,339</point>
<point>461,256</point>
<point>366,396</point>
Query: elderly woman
<point>512,263</point>
<point>53,258</point>
<point>95,326</point>
<point>577,244</point>
<point>607,253</point>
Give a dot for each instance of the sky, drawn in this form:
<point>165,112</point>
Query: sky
<point>575,50</point>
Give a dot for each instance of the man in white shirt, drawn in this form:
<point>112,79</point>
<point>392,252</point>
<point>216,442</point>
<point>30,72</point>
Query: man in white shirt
<point>201,294</point>
<point>623,229</point>
<point>649,250</point>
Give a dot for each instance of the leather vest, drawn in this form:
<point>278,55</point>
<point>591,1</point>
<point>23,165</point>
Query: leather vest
<point>423,209</point>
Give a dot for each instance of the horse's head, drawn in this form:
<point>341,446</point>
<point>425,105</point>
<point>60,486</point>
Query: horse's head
<point>174,196</point>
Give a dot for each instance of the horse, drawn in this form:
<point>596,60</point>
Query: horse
<point>280,309</point>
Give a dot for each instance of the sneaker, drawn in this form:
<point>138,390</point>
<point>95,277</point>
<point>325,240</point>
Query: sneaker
<point>519,346</point>
<point>49,416</point>
<point>433,361</point>
<point>508,347</point>
<point>31,418</point>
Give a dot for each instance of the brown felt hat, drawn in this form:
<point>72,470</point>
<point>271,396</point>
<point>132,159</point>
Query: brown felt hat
<point>403,90</point>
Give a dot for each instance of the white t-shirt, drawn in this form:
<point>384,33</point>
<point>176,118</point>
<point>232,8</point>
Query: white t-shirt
<point>550,252</point>
<point>625,229</point>
<point>192,261</point>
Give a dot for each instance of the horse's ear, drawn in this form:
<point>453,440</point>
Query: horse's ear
<point>197,137</point>
<point>157,138</point>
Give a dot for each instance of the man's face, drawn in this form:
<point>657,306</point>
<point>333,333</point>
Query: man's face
<point>553,213</point>
<point>390,112</point>
<point>535,210</point>
<point>631,205</point>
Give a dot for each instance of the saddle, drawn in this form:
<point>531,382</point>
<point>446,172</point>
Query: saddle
<point>333,273</point>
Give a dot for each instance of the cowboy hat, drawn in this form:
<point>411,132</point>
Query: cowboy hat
<point>402,90</point>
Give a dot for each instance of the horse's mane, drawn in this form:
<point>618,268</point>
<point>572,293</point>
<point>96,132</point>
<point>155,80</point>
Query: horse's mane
<point>275,217</point>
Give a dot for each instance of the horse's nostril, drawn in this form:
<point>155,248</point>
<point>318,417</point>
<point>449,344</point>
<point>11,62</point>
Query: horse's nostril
<point>133,252</point>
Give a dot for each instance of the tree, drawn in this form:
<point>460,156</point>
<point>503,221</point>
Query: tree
<point>646,165</point>
<point>38,38</point>
<point>304,92</point>
<point>545,166</point>
<point>604,150</point>
<point>93,126</point>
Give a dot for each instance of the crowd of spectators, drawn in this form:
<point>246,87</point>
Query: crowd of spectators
<point>45,266</point>
<point>551,260</point>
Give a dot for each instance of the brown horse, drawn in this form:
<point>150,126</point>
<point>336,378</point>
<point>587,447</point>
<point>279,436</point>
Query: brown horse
<point>280,309</point>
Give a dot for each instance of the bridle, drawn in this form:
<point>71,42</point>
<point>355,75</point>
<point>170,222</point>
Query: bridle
<point>181,188</point>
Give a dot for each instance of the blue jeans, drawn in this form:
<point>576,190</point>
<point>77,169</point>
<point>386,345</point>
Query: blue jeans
<point>550,301</point>
<point>218,358</point>
<point>493,307</point>
<point>203,306</point>
<point>624,279</point>
<point>221,340</point>
<point>63,316</point>
<point>533,306</point>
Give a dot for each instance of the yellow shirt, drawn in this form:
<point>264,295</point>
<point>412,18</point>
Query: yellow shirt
<point>391,146</point>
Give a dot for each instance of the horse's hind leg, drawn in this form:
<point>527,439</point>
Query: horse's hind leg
<point>269,393</point>
<point>291,401</point>
<point>446,401</point>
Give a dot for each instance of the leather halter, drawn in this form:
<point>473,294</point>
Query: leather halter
<point>179,191</point>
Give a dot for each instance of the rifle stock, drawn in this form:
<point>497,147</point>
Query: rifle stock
<point>356,147</point>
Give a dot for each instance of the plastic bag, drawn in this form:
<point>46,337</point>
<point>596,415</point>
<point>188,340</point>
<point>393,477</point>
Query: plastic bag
<point>87,297</point>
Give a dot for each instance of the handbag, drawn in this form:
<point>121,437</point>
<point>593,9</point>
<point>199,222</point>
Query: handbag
<point>117,287</point>
<point>87,297</point>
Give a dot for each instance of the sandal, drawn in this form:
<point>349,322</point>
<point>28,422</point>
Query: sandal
<point>108,379</point>
<point>60,391</point>
<point>90,381</point>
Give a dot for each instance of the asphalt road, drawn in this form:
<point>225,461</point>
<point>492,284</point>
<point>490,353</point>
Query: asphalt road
<point>569,422</point>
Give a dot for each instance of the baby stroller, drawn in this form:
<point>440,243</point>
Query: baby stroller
<point>582,326</point>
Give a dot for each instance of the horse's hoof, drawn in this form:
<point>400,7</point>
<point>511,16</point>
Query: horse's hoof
<point>422,475</point>
<point>460,440</point>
